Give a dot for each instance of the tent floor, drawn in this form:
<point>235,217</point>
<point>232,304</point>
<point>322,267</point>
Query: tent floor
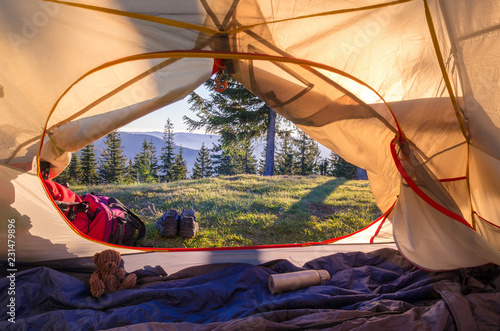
<point>174,261</point>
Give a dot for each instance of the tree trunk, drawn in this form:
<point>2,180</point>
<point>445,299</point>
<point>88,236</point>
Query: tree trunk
<point>360,174</point>
<point>271,133</point>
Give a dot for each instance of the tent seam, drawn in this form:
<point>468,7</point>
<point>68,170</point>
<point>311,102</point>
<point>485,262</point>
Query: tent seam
<point>421,193</point>
<point>442,66</point>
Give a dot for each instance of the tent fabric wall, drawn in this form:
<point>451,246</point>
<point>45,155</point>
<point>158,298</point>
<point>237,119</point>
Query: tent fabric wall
<point>41,233</point>
<point>352,77</point>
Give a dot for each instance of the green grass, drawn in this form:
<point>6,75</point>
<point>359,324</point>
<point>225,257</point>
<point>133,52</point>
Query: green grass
<point>247,210</point>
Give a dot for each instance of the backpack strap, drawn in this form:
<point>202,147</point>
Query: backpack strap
<point>116,238</point>
<point>70,209</point>
<point>135,220</point>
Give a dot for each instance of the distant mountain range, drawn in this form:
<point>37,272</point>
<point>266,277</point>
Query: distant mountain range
<point>191,143</point>
<point>132,142</point>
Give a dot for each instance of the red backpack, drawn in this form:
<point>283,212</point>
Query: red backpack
<point>99,217</point>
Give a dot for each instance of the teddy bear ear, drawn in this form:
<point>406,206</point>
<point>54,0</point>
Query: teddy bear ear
<point>96,256</point>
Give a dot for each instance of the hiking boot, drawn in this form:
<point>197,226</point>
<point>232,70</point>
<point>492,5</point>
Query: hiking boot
<point>188,226</point>
<point>168,224</point>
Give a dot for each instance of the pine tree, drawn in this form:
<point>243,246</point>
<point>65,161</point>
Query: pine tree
<point>285,157</point>
<point>88,165</point>
<point>112,159</point>
<point>237,116</point>
<point>63,177</point>
<point>314,156</point>
<point>75,170</point>
<point>261,166</point>
<point>71,174</point>
<point>307,154</point>
<point>179,168</point>
<point>235,159</point>
<point>323,166</point>
<point>144,162</point>
<point>168,151</point>
<point>340,167</point>
<point>202,166</point>
<point>130,174</point>
<point>153,160</point>
<point>249,163</point>
<point>223,160</point>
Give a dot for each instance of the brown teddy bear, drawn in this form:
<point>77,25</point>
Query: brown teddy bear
<point>109,277</point>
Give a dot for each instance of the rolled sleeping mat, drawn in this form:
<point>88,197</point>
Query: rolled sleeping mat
<point>292,281</point>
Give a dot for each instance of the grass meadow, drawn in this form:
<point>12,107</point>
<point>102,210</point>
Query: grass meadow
<point>247,210</point>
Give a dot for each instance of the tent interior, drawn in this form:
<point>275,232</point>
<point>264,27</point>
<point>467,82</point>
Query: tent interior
<point>406,89</point>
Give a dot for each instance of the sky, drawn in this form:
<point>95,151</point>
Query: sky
<point>156,120</point>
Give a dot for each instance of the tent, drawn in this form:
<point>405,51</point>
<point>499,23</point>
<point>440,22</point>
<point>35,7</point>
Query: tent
<point>406,89</point>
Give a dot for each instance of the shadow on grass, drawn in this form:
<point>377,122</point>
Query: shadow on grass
<point>317,195</point>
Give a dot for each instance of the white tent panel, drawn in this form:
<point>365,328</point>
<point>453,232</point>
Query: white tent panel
<point>416,237</point>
